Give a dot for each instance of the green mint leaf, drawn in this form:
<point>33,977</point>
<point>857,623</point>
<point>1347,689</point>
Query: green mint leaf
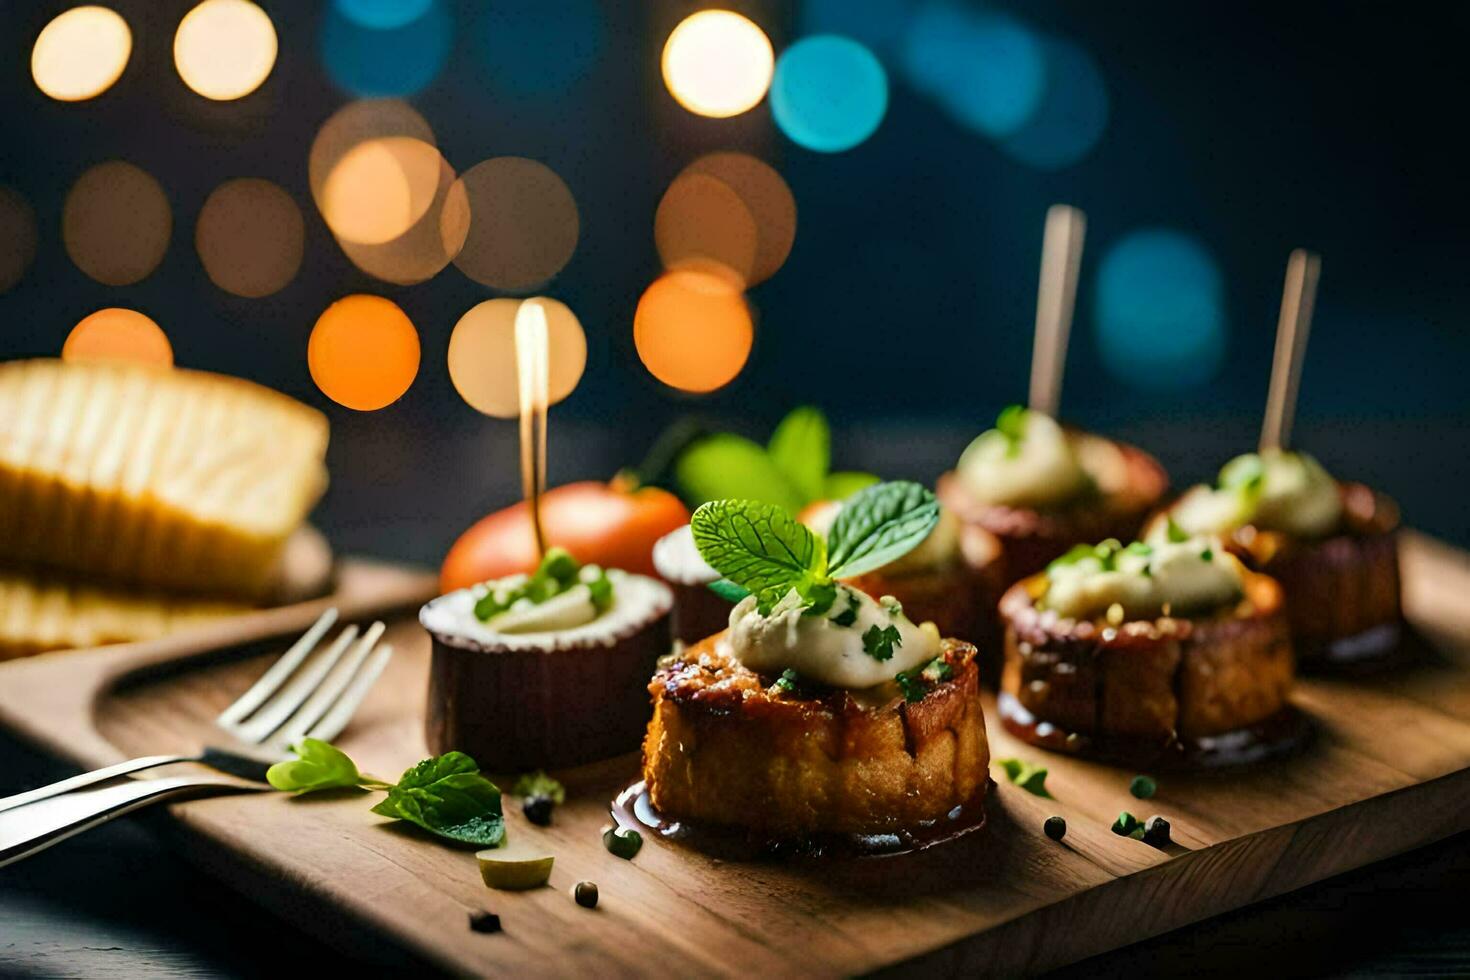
<point>840,486</point>
<point>879,643</point>
<point>447,796</point>
<point>539,784</point>
<point>726,466</point>
<point>728,590</point>
<point>1011,423</point>
<point>317,765</point>
<point>1174,532</point>
<point>787,681</point>
<point>801,448</point>
<point>759,547</point>
<point>1027,775</point>
<point>878,525</point>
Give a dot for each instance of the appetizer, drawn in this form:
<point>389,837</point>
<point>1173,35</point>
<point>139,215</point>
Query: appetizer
<point>699,610</point>
<point>1332,546</point>
<point>1040,488</point>
<point>820,710</point>
<point>1168,651</point>
<point>547,669</point>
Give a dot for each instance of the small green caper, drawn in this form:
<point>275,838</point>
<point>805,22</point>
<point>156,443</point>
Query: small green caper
<point>622,843</point>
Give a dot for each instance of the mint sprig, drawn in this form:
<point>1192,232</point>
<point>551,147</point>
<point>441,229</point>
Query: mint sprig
<point>878,525</point>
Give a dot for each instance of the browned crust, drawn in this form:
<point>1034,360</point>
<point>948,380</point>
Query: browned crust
<point>1163,679</point>
<point>725,747</point>
<point>1031,539</point>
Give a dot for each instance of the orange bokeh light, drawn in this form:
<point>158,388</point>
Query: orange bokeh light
<point>693,329</point>
<point>117,334</point>
<point>363,352</point>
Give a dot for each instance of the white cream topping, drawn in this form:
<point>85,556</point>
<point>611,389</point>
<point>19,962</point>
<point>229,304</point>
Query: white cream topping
<point>820,650</point>
<point>1177,578</point>
<point>677,559</point>
<point>1039,469</point>
<point>636,600</point>
<point>1275,490</point>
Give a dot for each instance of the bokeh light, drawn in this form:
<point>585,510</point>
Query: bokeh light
<point>510,223</point>
<point>717,63</point>
<point>363,352</point>
<point>541,47</point>
<point>1160,310</point>
<point>382,15</point>
<point>829,93</point>
<point>395,59</point>
<point>422,251</point>
<point>987,69</point>
<point>117,334</point>
<point>701,217</point>
<point>250,237</point>
<point>380,188</point>
<point>693,329</point>
<point>879,24</point>
<point>1072,113</point>
<point>116,223</point>
<point>768,199</point>
<point>482,355</point>
<point>81,53</point>
<point>17,237</point>
<point>225,49</point>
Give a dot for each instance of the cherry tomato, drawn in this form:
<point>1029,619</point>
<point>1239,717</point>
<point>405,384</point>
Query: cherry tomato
<point>609,524</point>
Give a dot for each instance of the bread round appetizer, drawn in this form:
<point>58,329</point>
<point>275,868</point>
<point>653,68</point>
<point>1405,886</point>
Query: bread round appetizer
<point>1040,488</point>
<point>1149,654</point>
<point>545,670</point>
<point>1333,547</point>
<point>821,710</point>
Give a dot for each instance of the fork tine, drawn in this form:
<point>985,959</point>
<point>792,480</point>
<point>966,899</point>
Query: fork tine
<point>336,720</point>
<point>278,672</point>
<point>275,711</point>
<point>326,693</point>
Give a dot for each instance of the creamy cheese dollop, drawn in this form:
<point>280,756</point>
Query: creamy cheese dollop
<point>1036,467</point>
<point>1143,580</point>
<point>677,559</point>
<point>830,648</point>
<point>1275,490</point>
<point>939,549</point>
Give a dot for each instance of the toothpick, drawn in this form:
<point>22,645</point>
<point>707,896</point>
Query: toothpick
<point>1061,257</point>
<point>1297,302</point>
<point>532,376</point>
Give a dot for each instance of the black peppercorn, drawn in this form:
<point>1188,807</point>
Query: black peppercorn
<point>1055,828</point>
<point>484,922</point>
<point>585,893</point>
<point>1156,831</point>
<point>538,810</point>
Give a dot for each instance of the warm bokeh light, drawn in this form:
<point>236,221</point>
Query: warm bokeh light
<point>81,53</point>
<point>363,352</point>
<point>421,252</point>
<point>17,237</point>
<point>693,329</point>
<point>224,49</point>
<point>701,217</point>
<point>718,63</point>
<point>380,189</point>
<point>829,93</point>
<point>511,223</point>
<point>399,58</point>
<point>482,355</point>
<point>116,334</point>
<point>768,199</point>
<point>116,223</point>
<point>250,237</point>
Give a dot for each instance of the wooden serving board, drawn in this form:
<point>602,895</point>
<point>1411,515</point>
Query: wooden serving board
<point>1386,773</point>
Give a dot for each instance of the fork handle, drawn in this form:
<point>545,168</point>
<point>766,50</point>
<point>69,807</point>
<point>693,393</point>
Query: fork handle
<point>89,778</point>
<point>30,829</point>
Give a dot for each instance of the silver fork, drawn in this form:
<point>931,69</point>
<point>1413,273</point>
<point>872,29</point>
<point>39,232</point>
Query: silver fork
<point>295,698</point>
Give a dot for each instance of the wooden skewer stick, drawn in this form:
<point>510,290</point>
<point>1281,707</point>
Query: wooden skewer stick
<point>1061,258</point>
<point>532,376</point>
<point>1298,300</point>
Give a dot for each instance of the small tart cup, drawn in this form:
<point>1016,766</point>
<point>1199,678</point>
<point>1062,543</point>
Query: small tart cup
<point>1031,539</point>
<point>1342,591</point>
<point>698,612</point>
<point>522,704</point>
<point>725,748</point>
<point>1194,692</point>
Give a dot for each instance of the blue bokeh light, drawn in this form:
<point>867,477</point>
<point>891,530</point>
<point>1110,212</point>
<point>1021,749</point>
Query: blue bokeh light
<point>987,69</point>
<point>880,24</point>
<point>376,63</point>
<point>1071,116</point>
<point>829,93</point>
<point>1160,310</point>
<point>541,47</point>
<point>382,15</point>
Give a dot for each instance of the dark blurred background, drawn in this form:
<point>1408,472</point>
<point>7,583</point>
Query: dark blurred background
<point>1203,141</point>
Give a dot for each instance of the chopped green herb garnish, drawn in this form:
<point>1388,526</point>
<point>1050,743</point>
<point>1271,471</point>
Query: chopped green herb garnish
<point>818,596</point>
<point>1139,548</point>
<point>1207,555</point>
<point>1074,554</point>
<point>1126,825</point>
<point>557,573</point>
<point>849,615</point>
<point>787,681</point>
<point>1027,775</point>
<point>539,784</point>
<point>1011,423</point>
<point>1174,532</point>
<point>602,593</point>
<point>937,671</point>
<point>878,643</point>
<point>1143,787</point>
